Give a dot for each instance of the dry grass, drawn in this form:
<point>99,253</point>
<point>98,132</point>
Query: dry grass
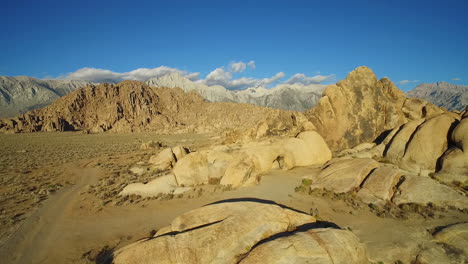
<point>34,165</point>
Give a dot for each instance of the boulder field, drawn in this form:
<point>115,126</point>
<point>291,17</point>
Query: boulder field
<point>420,162</point>
<point>232,165</point>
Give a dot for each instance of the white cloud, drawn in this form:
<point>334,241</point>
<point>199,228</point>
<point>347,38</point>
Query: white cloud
<point>456,79</point>
<point>237,67</point>
<point>141,74</point>
<point>220,77</point>
<point>303,79</point>
<point>407,81</point>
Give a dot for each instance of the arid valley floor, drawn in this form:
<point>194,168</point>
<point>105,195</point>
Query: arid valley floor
<point>65,208</point>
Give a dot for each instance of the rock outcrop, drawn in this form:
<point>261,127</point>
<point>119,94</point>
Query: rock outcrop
<point>244,232</point>
<point>455,235</point>
<point>450,246</point>
<point>321,246</point>
<point>378,183</point>
<point>134,106</point>
<point>427,144</point>
<point>242,165</point>
<point>455,159</point>
<point>360,108</point>
<point>233,165</point>
<point>343,175</point>
<point>424,190</point>
<point>21,94</point>
<point>167,158</point>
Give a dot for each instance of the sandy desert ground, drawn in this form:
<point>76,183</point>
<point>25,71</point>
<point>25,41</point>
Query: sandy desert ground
<point>60,204</point>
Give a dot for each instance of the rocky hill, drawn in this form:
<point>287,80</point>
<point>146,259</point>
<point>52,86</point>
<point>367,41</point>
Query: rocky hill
<point>361,108</point>
<point>21,94</point>
<point>450,96</point>
<point>135,106</point>
<point>295,97</point>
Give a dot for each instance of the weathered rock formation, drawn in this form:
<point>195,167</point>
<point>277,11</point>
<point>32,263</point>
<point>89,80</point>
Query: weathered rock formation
<point>134,106</point>
<point>455,159</point>
<point>360,108</point>
<point>433,146</point>
<point>449,246</point>
<point>378,183</point>
<point>245,232</point>
<point>428,145</point>
<point>231,165</point>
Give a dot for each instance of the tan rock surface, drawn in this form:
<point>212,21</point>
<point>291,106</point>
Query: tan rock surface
<point>164,160</point>
<point>455,160</point>
<point>380,186</point>
<point>455,235</point>
<point>162,185</point>
<point>424,190</point>
<point>427,144</point>
<point>396,147</point>
<point>316,246</point>
<point>415,108</point>
<point>217,233</point>
<point>343,175</point>
<point>242,164</point>
<point>357,109</point>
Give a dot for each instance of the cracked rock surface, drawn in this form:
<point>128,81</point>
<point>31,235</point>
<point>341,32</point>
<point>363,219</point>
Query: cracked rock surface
<point>245,232</point>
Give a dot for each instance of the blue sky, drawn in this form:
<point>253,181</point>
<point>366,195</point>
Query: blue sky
<point>422,41</point>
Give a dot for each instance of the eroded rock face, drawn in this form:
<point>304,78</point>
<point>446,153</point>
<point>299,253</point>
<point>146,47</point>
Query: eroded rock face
<point>455,160</point>
<point>450,246</point>
<point>241,165</point>
<point>229,232</point>
<point>357,109</point>
<point>360,108</point>
<point>424,190</point>
<point>232,165</point>
<point>319,246</point>
<point>162,185</point>
<point>343,175</point>
<point>167,158</point>
<point>427,144</point>
<point>396,147</point>
<point>380,184</point>
<point>455,235</point>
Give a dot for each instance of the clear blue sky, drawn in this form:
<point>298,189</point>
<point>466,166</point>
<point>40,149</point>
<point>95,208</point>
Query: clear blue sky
<point>404,40</point>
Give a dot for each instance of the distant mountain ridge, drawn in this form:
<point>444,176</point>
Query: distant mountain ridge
<point>21,94</point>
<point>132,106</point>
<point>296,97</point>
<point>450,96</point>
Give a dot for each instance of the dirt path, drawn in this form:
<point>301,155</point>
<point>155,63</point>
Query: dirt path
<point>61,231</point>
<point>40,232</point>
